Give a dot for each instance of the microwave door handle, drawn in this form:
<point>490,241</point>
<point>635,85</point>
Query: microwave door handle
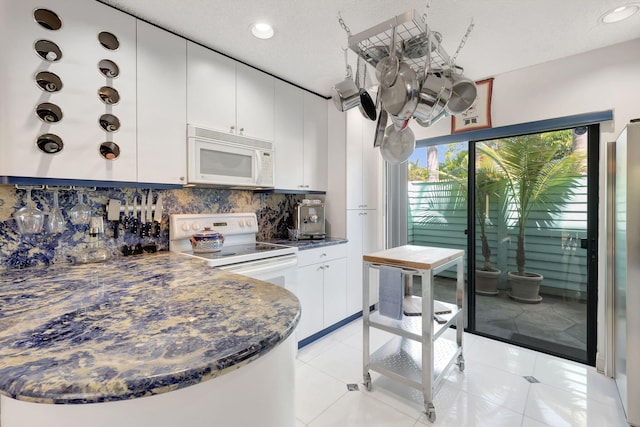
<point>259,168</point>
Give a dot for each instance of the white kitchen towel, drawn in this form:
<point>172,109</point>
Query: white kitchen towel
<point>391,292</point>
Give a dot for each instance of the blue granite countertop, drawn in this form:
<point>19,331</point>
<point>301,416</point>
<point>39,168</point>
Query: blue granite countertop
<point>310,243</point>
<point>132,327</point>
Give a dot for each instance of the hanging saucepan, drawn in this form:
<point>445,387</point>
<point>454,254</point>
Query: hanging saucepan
<point>382,122</point>
<point>397,145</point>
<point>367,106</point>
<point>463,94</point>
<point>401,99</point>
<point>435,119</point>
<point>435,94</point>
<point>388,68</point>
<point>345,95</point>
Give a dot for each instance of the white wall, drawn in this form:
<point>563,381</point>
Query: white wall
<point>602,79</point>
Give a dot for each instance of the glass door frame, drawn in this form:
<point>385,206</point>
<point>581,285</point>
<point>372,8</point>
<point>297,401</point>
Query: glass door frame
<point>591,243</point>
<point>589,119</point>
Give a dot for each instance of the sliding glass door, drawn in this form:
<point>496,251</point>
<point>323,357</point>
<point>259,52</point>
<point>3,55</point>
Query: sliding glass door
<point>522,209</point>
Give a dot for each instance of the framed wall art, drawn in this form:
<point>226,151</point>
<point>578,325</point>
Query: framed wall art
<point>478,116</point>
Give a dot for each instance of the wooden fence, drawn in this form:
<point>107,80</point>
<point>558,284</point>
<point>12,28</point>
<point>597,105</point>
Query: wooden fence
<point>438,217</point>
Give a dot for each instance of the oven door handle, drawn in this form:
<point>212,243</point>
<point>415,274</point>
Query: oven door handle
<point>262,266</point>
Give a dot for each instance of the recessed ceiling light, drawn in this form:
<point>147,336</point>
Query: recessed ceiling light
<point>262,30</point>
<point>619,13</point>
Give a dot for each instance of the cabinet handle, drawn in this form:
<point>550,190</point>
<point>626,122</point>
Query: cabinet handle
<point>327,266</point>
<point>241,130</point>
<point>362,214</point>
<point>232,129</point>
<point>323,254</point>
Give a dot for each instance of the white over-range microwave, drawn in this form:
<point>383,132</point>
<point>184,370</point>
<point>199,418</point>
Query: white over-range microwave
<point>220,159</point>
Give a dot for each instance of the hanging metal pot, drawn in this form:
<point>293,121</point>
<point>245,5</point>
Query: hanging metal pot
<point>463,94</point>
<point>367,106</point>
<point>382,122</point>
<point>346,95</point>
<point>401,99</point>
<point>435,94</point>
<point>397,145</point>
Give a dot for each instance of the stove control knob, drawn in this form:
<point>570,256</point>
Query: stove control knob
<point>195,226</point>
<point>249,223</point>
<point>185,227</point>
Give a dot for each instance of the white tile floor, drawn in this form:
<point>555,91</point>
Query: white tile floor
<point>490,392</point>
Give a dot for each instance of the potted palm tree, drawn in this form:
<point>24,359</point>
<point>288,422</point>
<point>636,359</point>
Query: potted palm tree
<point>538,173</point>
<point>488,187</point>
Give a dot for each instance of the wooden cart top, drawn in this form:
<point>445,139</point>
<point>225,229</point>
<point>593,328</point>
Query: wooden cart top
<point>411,256</point>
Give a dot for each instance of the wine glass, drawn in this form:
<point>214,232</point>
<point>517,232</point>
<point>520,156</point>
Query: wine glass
<point>29,218</point>
<point>81,212</point>
<point>56,222</point>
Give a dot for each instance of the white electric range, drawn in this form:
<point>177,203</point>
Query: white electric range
<point>240,252</point>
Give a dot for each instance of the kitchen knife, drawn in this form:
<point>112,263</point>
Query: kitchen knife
<point>113,215</point>
<point>134,218</point>
<point>149,223</point>
<point>125,218</point>
<point>143,215</point>
<point>157,216</point>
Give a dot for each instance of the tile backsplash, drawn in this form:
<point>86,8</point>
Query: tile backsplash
<point>274,212</point>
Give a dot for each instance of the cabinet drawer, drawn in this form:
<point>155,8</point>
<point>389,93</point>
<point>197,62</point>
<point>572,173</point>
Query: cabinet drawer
<point>325,253</point>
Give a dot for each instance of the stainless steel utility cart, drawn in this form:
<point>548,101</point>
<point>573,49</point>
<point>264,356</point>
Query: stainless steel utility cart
<point>419,355</point>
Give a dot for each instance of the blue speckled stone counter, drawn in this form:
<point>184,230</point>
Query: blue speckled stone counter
<point>132,327</point>
<point>310,244</point>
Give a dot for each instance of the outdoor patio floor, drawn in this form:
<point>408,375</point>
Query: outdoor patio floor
<point>556,325</point>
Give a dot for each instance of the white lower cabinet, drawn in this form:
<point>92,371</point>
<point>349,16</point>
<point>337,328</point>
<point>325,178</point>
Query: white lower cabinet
<point>322,288</point>
<point>362,233</point>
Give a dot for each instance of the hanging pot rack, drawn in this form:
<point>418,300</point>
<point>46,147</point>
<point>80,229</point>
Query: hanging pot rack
<point>372,44</point>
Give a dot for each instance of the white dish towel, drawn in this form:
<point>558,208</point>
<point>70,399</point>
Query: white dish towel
<point>391,291</point>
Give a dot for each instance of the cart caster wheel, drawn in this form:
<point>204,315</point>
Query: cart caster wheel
<point>367,382</point>
<point>431,413</point>
<point>460,363</point>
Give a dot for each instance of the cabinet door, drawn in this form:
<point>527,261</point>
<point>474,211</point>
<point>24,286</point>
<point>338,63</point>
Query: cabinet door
<point>362,233</point>
<point>211,89</point>
<point>370,233</point>
<point>370,166</point>
<point>354,159</point>
<point>77,97</point>
<point>310,294</point>
<point>354,257</point>
<point>335,291</point>
<point>315,142</point>
<point>162,108</point>
<point>255,103</point>
<point>289,136</point>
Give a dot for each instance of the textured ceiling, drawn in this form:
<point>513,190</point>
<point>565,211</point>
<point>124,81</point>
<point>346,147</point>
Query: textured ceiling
<point>306,50</point>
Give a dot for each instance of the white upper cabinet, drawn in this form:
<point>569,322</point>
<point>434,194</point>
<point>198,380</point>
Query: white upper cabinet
<point>162,105</point>
<point>300,139</point>
<point>289,136</point>
<point>255,103</point>
<point>74,70</point>
<point>363,162</point>
<point>227,96</point>
<point>315,143</point>
<point>211,89</point>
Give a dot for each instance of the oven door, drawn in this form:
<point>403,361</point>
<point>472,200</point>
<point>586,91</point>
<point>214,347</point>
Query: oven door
<point>280,270</point>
